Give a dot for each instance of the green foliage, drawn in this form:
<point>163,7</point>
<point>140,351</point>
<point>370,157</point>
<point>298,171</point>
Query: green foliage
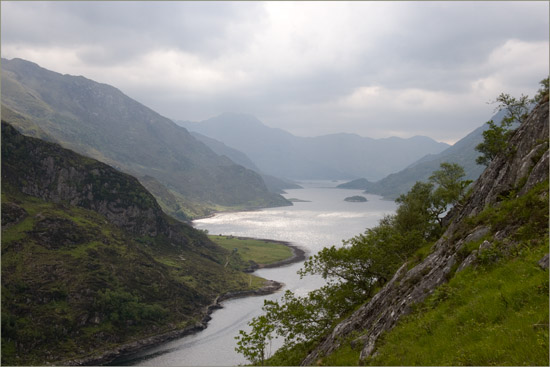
<point>495,315</point>
<point>415,220</point>
<point>355,270</point>
<point>542,93</point>
<point>450,189</point>
<point>495,138</point>
<point>122,307</point>
<point>258,251</point>
<point>254,346</point>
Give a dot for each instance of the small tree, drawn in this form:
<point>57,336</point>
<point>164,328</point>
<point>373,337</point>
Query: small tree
<point>253,345</point>
<point>450,188</point>
<point>542,93</point>
<point>495,138</point>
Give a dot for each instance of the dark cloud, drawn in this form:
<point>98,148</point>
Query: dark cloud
<point>366,67</point>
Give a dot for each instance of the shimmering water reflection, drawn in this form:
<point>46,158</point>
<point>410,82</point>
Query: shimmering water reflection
<point>324,220</point>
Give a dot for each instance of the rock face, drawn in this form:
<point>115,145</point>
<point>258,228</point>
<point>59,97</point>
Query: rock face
<point>49,172</point>
<point>525,163</point>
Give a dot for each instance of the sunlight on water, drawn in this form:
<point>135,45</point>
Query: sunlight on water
<point>325,220</point>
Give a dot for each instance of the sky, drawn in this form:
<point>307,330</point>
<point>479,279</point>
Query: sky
<point>372,68</point>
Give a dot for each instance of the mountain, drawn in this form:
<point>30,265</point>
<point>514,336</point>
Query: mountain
<point>462,152</point>
<point>481,292</point>
<point>90,262</point>
<point>99,121</point>
<point>336,156</point>
<point>273,184</point>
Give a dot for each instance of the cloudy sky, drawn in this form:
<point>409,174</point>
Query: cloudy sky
<point>376,69</point>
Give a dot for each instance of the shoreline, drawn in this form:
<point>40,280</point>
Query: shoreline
<point>298,254</point>
<point>126,350</point>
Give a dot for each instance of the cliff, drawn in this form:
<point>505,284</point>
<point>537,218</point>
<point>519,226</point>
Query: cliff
<point>512,174</point>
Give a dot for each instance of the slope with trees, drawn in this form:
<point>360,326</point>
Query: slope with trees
<point>419,279</point>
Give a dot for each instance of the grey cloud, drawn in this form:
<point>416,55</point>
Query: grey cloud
<point>436,46</point>
<point>121,30</point>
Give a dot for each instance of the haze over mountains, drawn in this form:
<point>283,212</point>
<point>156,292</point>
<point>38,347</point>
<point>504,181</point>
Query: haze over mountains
<point>462,152</point>
<point>99,121</point>
<point>335,156</point>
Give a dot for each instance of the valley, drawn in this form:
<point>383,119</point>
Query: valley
<point>129,240</point>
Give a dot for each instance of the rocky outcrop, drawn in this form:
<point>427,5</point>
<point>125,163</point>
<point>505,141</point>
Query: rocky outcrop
<point>52,173</point>
<point>520,168</point>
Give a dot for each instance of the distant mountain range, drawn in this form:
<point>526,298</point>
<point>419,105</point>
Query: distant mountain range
<point>273,183</point>
<point>337,156</point>
<point>462,152</point>
<point>99,121</point>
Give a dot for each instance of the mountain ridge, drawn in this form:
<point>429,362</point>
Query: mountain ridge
<point>462,152</point>
<point>334,156</point>
<point>98,120</point>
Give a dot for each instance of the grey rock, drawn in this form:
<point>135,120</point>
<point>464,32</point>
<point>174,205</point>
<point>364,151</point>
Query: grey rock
<point>543,263</point>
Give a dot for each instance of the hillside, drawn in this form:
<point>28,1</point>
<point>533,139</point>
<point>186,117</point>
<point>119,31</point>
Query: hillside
<point>99,121</point>
<point>91,264</point>
<point>480,297</point>
<point>337,156</point>
<point>462,152</point>
<point>273,184</point>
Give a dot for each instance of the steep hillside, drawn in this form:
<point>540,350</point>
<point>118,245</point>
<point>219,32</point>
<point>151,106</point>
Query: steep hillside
<point>272,183</point>
<point>462,152</point>
<point>90,262</point>
<point>99,121</point>
<point>486,277</point>
<point>337,156</point>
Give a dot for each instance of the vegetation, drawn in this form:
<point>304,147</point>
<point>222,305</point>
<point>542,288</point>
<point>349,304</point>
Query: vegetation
<point>75,282</point>
<point>355,270</point>
<point>495,313</point>
<point>495,138</point>
<point>254,250</point>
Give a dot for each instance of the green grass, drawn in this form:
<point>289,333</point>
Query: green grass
<point>492,313</point>
<point>259,251</point>
<point>496,315</point>
<point>161,285</point>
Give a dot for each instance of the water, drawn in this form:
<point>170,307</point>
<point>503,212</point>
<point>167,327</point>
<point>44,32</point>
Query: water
<point>323,221</point>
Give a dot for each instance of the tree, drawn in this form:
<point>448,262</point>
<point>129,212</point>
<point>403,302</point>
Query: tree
<point>542,93</point>
<point>495,138</point>
<point>414,217</point>
<point>253,345</point>
<point>450,188</point>
<point>357,268</point>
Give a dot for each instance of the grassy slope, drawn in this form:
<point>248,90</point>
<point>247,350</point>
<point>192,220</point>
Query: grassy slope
<point>62,284</point>
<point>492,313</point>
<point>259,251</point>
<point>65,266</point>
